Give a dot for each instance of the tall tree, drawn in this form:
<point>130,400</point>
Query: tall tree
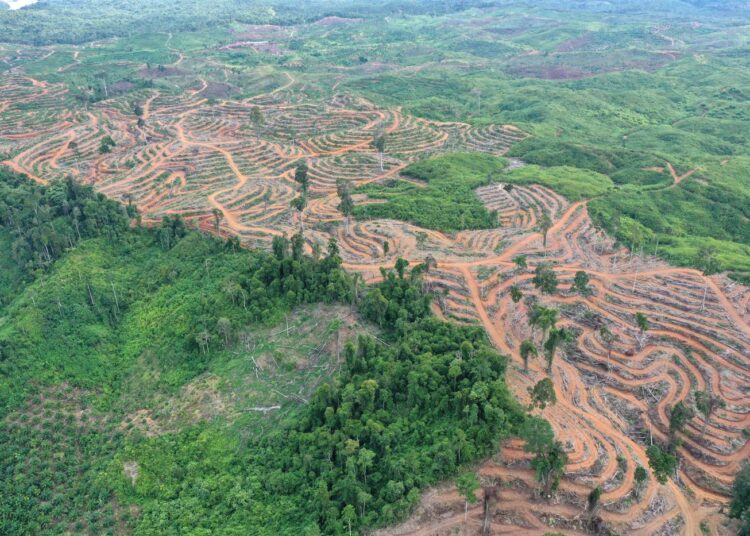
<point>641,320</point>
<point>379,144</point>
<point>217,218</point>
<point>528,349</point>
<point>581,283</point>
<point>301,178</point>
<point>593,499</point>
<point>549,466</point>
<point>662,463</point>
<point>707,403</point>
<point>467,485</point>
<point>299,204</point>
<point>346,205</point>
<point>555,338</point>
<point>679,416</point>
<point>640,476</point>
<point>520,262</point>
<point>515,293</point>
<point>543,318</point>
<point>609,339</point>
<point>545,224</point>
<point>545,278</point>
<point>542,394</point>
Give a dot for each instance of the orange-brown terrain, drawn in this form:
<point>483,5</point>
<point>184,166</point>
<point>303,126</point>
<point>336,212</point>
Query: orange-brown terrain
<point>207,160</point>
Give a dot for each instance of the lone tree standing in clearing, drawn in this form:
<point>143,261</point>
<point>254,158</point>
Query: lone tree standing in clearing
<point>706,404</point>
<point>545,224</point>
<point>379,144</point>
<point>542,394</point>
<point>556,336</point>
<point>549,466</point>
<point>346,206</point>
<point>520,262</point>
<point>217,218</point>
<point>641,321</point>
<point>581,283</point>
<point>640,477</point>
<point>300,177</point>
<point>299,203</point>
<point>516,294</point>
<point>609,339</point>
<point>528,349</point>
<point>543,318</point>
<point>679,416</point>
<point>545,278</point>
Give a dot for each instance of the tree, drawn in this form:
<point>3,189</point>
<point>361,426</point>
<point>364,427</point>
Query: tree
<point>217,218</point>
<point>256,116</point>
<point>581,283</point>
<point>545,224</point>
<point>537,434</point>
<point>662,463</point>
<point>545,278</point>
<point>467,485</point>
<point>679,416</point>
<point>641,321</point>
<point>549,466</point>
<point>640,477</point>
<point>515,293</point>
<point>301,178</point>
<point>106,145</point>
<point>739,508</point>
<point>346,206</point>
<point>224,326</point>
<point>379,144</point>
<point>609,339</point>
<point>299,204</point>
<point>707,404</point>
<point>543,318</point>
<point>348,516</point>
<point>203,338</point>
<point>593,499</point>
<point>542,393</point>
<point>528,349</point>
<point>556,336</point>
<point>401,265</point>
<point>520,262</point>
<point>386,247</point>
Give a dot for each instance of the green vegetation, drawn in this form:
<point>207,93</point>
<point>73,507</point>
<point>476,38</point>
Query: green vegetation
<point>447,202</point>
<point>123,321</point>
<point>573,183</point>
<point>740,506</point>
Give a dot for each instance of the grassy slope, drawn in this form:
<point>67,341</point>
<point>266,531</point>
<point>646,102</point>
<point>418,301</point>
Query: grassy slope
<point>447,202</point>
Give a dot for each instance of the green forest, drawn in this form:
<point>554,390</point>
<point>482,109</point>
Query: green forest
<point>99,319</point>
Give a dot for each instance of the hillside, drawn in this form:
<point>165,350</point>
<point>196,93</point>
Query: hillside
<point>344,267</point>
